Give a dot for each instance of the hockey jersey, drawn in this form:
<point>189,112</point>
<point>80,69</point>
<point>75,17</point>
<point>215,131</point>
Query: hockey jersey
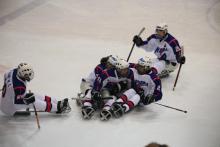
<point>110,77</point>
<point>14,87</point>
<point>167,49</point>
<point>95,73</point>
<point>149,83</point>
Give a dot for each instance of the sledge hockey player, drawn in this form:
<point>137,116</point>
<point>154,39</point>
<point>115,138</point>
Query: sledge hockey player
<point>107,85</point>
<point>165,47</point>
<point>147,88</point>
<point>105,63</point>
<point>87,83</point>
<point>15,97</point>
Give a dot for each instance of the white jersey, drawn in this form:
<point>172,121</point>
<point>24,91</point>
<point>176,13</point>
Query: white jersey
<point>166,49</point>
<point>14,90</point>
<point>110,77</point>
<point>145,81</point>
<point>91,78</point>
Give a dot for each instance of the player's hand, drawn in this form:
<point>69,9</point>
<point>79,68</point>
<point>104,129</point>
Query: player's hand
<point>182,60</point>
<point>138,41</point>
<point>29,98</point>
<point>96,96</point>
<point>148,99</point>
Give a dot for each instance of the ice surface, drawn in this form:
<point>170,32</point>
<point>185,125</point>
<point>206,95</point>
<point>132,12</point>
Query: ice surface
<point>64,40</point>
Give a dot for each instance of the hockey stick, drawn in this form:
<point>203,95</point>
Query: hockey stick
<point>36,115</point>
<point>171,107</point>
<point>142,30</point>
<point>177,76</point>
<point>74,98</point>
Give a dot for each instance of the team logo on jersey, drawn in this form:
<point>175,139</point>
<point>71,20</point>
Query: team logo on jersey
<point>161,50</point>
<point>141,83</point>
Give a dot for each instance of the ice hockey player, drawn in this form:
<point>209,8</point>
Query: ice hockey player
<point>87,83</point>
<point>147,88</point>
<point>107,85</point>
<point>165,47</point>
<point>15,96</point>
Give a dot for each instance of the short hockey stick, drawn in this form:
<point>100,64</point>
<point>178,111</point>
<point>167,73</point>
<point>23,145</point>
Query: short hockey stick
<point>142,30</point>
<point>171,107</point>
<point>177,76</point>
<point>36,115</point>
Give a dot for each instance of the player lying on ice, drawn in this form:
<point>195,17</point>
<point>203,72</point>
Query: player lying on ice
<point>165,47</point>
<point>15,97</point>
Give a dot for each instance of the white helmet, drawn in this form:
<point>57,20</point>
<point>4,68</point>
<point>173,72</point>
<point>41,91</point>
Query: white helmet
<point>113,60</point>
<point>162,27</point>
<point>25,71</point>
<point>122,64</point>
<point>145,61</point>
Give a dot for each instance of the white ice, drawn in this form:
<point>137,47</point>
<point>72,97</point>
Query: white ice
<point>64,40</point>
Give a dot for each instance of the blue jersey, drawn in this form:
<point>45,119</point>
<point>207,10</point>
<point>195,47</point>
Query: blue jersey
<point>167,49</point>
<point>110,77</point>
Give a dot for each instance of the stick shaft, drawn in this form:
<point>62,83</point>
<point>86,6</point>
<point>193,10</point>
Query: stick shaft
<point>171,107</point>
<point>134,44</point>
<point>36,115</point>
<point>177,77</point>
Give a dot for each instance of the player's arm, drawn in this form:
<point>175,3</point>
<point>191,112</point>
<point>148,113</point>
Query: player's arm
<point>157,90</point>
<point>177,51</point>
<point>20,92</point>
<point>99,81</point>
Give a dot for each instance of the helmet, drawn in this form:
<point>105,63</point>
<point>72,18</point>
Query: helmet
<point>162,27</point>
<point>113,60</point>
<point>145,61</point>
<point>122,64</point>
<point>25,71</point>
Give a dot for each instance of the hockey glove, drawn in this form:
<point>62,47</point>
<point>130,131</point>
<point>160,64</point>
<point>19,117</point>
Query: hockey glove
<point>97,99</point>
<point>148,99</point>
<point>116,88</point>
<point>104,60</point>
<point>182,60</point>
<point>29,98</point>
<point>124,85</point>
<point>138,41</point>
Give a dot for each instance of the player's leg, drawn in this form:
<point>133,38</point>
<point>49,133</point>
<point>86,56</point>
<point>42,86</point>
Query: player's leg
<point>106,112</point>
<point>87,106</point>
<point>125,102</point>
<point>159,65</point>
<point>50,104</point>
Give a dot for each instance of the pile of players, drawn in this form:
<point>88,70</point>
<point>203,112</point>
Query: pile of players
<point>116,86</point>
